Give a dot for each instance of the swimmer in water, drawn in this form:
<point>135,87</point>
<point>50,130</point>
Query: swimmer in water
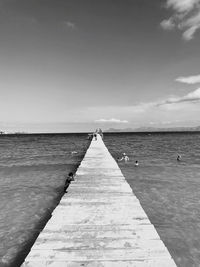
<point>178,158</point>
<point>69,179</point>
<point>136,163</point>
<point>124,157</point>
<point>118,159</point>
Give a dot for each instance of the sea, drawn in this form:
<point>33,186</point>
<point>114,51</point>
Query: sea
<point>168,190</point>
<point>33,169</point>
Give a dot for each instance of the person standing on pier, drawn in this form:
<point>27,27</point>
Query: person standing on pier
<point>95,136</point>
<point>100,132</point>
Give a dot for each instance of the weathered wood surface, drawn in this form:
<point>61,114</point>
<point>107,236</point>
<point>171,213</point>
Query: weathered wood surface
<point>99,222</point>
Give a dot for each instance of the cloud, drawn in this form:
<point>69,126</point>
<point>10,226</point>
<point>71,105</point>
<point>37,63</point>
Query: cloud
<point>185,17</point>
<point>166,122</point>
<point>189,80</point>
<point>111,120</point>
<point>182,5</point>
<point>170,108</point>
<point>192,97</point>
<point>168,24</point>
<point>69,25</point>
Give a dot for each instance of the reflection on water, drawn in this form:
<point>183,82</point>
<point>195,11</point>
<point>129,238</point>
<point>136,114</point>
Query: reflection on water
<point>32,174</point>
<point>168,190</point>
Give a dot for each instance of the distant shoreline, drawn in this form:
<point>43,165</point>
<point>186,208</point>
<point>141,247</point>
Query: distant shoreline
<point>152,132</point>
<point>105,132</point>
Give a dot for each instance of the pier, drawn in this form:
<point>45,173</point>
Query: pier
<point>99,222</point>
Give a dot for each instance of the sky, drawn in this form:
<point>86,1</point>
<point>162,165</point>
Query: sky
<point>74,65</point>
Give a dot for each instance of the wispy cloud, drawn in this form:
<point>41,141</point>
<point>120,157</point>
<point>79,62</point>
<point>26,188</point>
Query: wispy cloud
<point>189,80</point>
<point>192,97</point>
<point>111,121</point>
<point>185,17</point>
<point>171,108</point>
<point>69,25</point>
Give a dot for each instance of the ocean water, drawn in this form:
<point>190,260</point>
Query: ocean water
<point>33,169</point>
<point>169,191</point>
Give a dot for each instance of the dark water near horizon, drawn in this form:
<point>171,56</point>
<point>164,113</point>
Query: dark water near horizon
<point>33,169</point>
<point>169,191</point>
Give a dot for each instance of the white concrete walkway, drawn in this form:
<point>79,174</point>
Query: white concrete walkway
<point>99,222</point>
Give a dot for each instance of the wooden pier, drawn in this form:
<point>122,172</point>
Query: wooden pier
<point>99,222</point>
